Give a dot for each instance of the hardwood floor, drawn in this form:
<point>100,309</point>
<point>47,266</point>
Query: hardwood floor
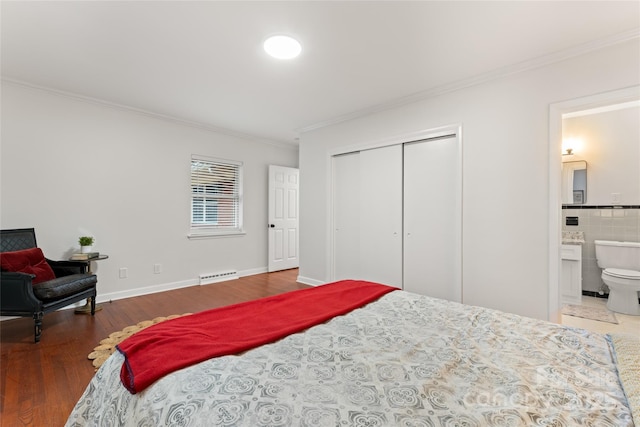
<point>42,382</point>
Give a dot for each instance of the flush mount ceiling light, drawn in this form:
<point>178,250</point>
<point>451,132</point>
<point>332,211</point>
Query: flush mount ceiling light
<point>282,47</point>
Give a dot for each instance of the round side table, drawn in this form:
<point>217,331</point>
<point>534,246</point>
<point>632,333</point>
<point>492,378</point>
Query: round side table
<point>86,308</point>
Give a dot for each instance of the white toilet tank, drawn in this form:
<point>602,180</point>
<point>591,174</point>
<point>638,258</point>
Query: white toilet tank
<point>625,255</point>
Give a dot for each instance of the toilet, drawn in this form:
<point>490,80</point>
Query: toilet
<point>620,262</point>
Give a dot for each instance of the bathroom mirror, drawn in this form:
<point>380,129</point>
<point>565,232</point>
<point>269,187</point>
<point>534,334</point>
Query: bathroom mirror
<point>574,183</point>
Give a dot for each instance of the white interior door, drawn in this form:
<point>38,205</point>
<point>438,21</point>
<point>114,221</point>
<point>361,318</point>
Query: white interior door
<point>381,215</point>
<point>346,216</point>
<point>433,218</point>
<point>367,203</point>
<point>283,218</point>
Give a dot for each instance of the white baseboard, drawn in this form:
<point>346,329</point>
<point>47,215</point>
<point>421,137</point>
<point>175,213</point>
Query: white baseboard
<point>310,281</point>
<point>166,287</point>
<point>253,271</point>
<point>147,290</point>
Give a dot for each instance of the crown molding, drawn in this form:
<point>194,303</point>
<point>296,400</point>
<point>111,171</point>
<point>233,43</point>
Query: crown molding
<point>152,114</point>
<point>603,109</point>
<point>499,73</point>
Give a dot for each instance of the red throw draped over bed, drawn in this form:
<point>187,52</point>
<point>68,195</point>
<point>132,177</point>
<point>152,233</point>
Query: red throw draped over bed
<point>172,345</point>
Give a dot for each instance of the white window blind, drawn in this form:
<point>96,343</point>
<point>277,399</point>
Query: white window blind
<point>216,196</point>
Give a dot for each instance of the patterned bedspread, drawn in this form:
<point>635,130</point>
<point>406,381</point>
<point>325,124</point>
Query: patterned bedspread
<point>404,360</point>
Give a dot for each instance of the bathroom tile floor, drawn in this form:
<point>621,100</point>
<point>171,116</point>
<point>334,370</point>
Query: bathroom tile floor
<point>627,324</point>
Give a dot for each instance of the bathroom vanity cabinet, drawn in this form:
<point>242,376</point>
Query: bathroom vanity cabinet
<point>571,280</point>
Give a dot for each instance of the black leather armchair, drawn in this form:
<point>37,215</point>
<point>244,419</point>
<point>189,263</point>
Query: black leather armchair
<point>20,297</point>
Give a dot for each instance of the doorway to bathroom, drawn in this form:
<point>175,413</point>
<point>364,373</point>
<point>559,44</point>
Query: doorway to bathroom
<point>594,195</point>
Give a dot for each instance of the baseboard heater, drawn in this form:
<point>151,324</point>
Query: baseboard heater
<point>221,276</point>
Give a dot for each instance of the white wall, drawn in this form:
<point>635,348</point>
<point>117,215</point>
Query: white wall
<point>505,125</point>
<point>72,168</point>
<point>610,144</point>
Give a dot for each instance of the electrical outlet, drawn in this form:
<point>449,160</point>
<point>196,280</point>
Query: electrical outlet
<point>124,272</point>
<point>615,198</point>
<point>157,268</point>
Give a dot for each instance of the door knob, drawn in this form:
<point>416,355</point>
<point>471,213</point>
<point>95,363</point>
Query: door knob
<point>272,225</point>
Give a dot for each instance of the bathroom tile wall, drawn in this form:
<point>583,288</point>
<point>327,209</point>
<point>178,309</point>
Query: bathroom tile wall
<point>620,223</point>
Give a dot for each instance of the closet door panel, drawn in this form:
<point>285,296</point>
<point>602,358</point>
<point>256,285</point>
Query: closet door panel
<point>432,222</point>
<point>381,215</point>
<point>346,216</point>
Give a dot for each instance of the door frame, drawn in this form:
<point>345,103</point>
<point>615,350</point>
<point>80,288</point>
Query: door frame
<point>556,111</point>
<point>271,267</point>
<point>436,132</point>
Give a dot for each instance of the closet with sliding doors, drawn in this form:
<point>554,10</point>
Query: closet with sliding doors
<point>397,215</point>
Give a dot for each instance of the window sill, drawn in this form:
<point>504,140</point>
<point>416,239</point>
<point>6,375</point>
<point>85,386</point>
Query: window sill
<point>201,234</point>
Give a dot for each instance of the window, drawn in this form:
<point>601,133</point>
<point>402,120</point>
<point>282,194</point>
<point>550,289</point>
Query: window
<point>216,197</point>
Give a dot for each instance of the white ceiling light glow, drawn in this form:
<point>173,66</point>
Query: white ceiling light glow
<point>282,47</point>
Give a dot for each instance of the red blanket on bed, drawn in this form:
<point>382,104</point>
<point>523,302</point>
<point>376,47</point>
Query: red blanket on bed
<point>175,344</point>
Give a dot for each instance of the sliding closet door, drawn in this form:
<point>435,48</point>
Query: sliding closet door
<point>397,217</point>
<point>381,215</point>
<point>432,218</point>
<point>346,216</point>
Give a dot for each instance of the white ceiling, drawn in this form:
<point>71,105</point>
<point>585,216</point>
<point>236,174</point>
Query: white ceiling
<point>203,61</point>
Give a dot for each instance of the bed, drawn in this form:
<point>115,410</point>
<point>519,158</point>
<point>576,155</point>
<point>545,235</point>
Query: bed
<point>401,360</point>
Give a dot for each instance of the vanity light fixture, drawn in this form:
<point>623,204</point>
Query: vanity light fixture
<point>570,145</point>
<point>282,47</point>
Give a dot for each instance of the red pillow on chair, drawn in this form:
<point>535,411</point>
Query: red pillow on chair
<point>29,261</point>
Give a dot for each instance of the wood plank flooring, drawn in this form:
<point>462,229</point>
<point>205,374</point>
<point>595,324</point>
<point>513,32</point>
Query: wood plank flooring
<point>42,382</point>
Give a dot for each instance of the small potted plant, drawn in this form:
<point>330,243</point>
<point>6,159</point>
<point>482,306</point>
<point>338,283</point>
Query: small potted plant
<point>86,242</point>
